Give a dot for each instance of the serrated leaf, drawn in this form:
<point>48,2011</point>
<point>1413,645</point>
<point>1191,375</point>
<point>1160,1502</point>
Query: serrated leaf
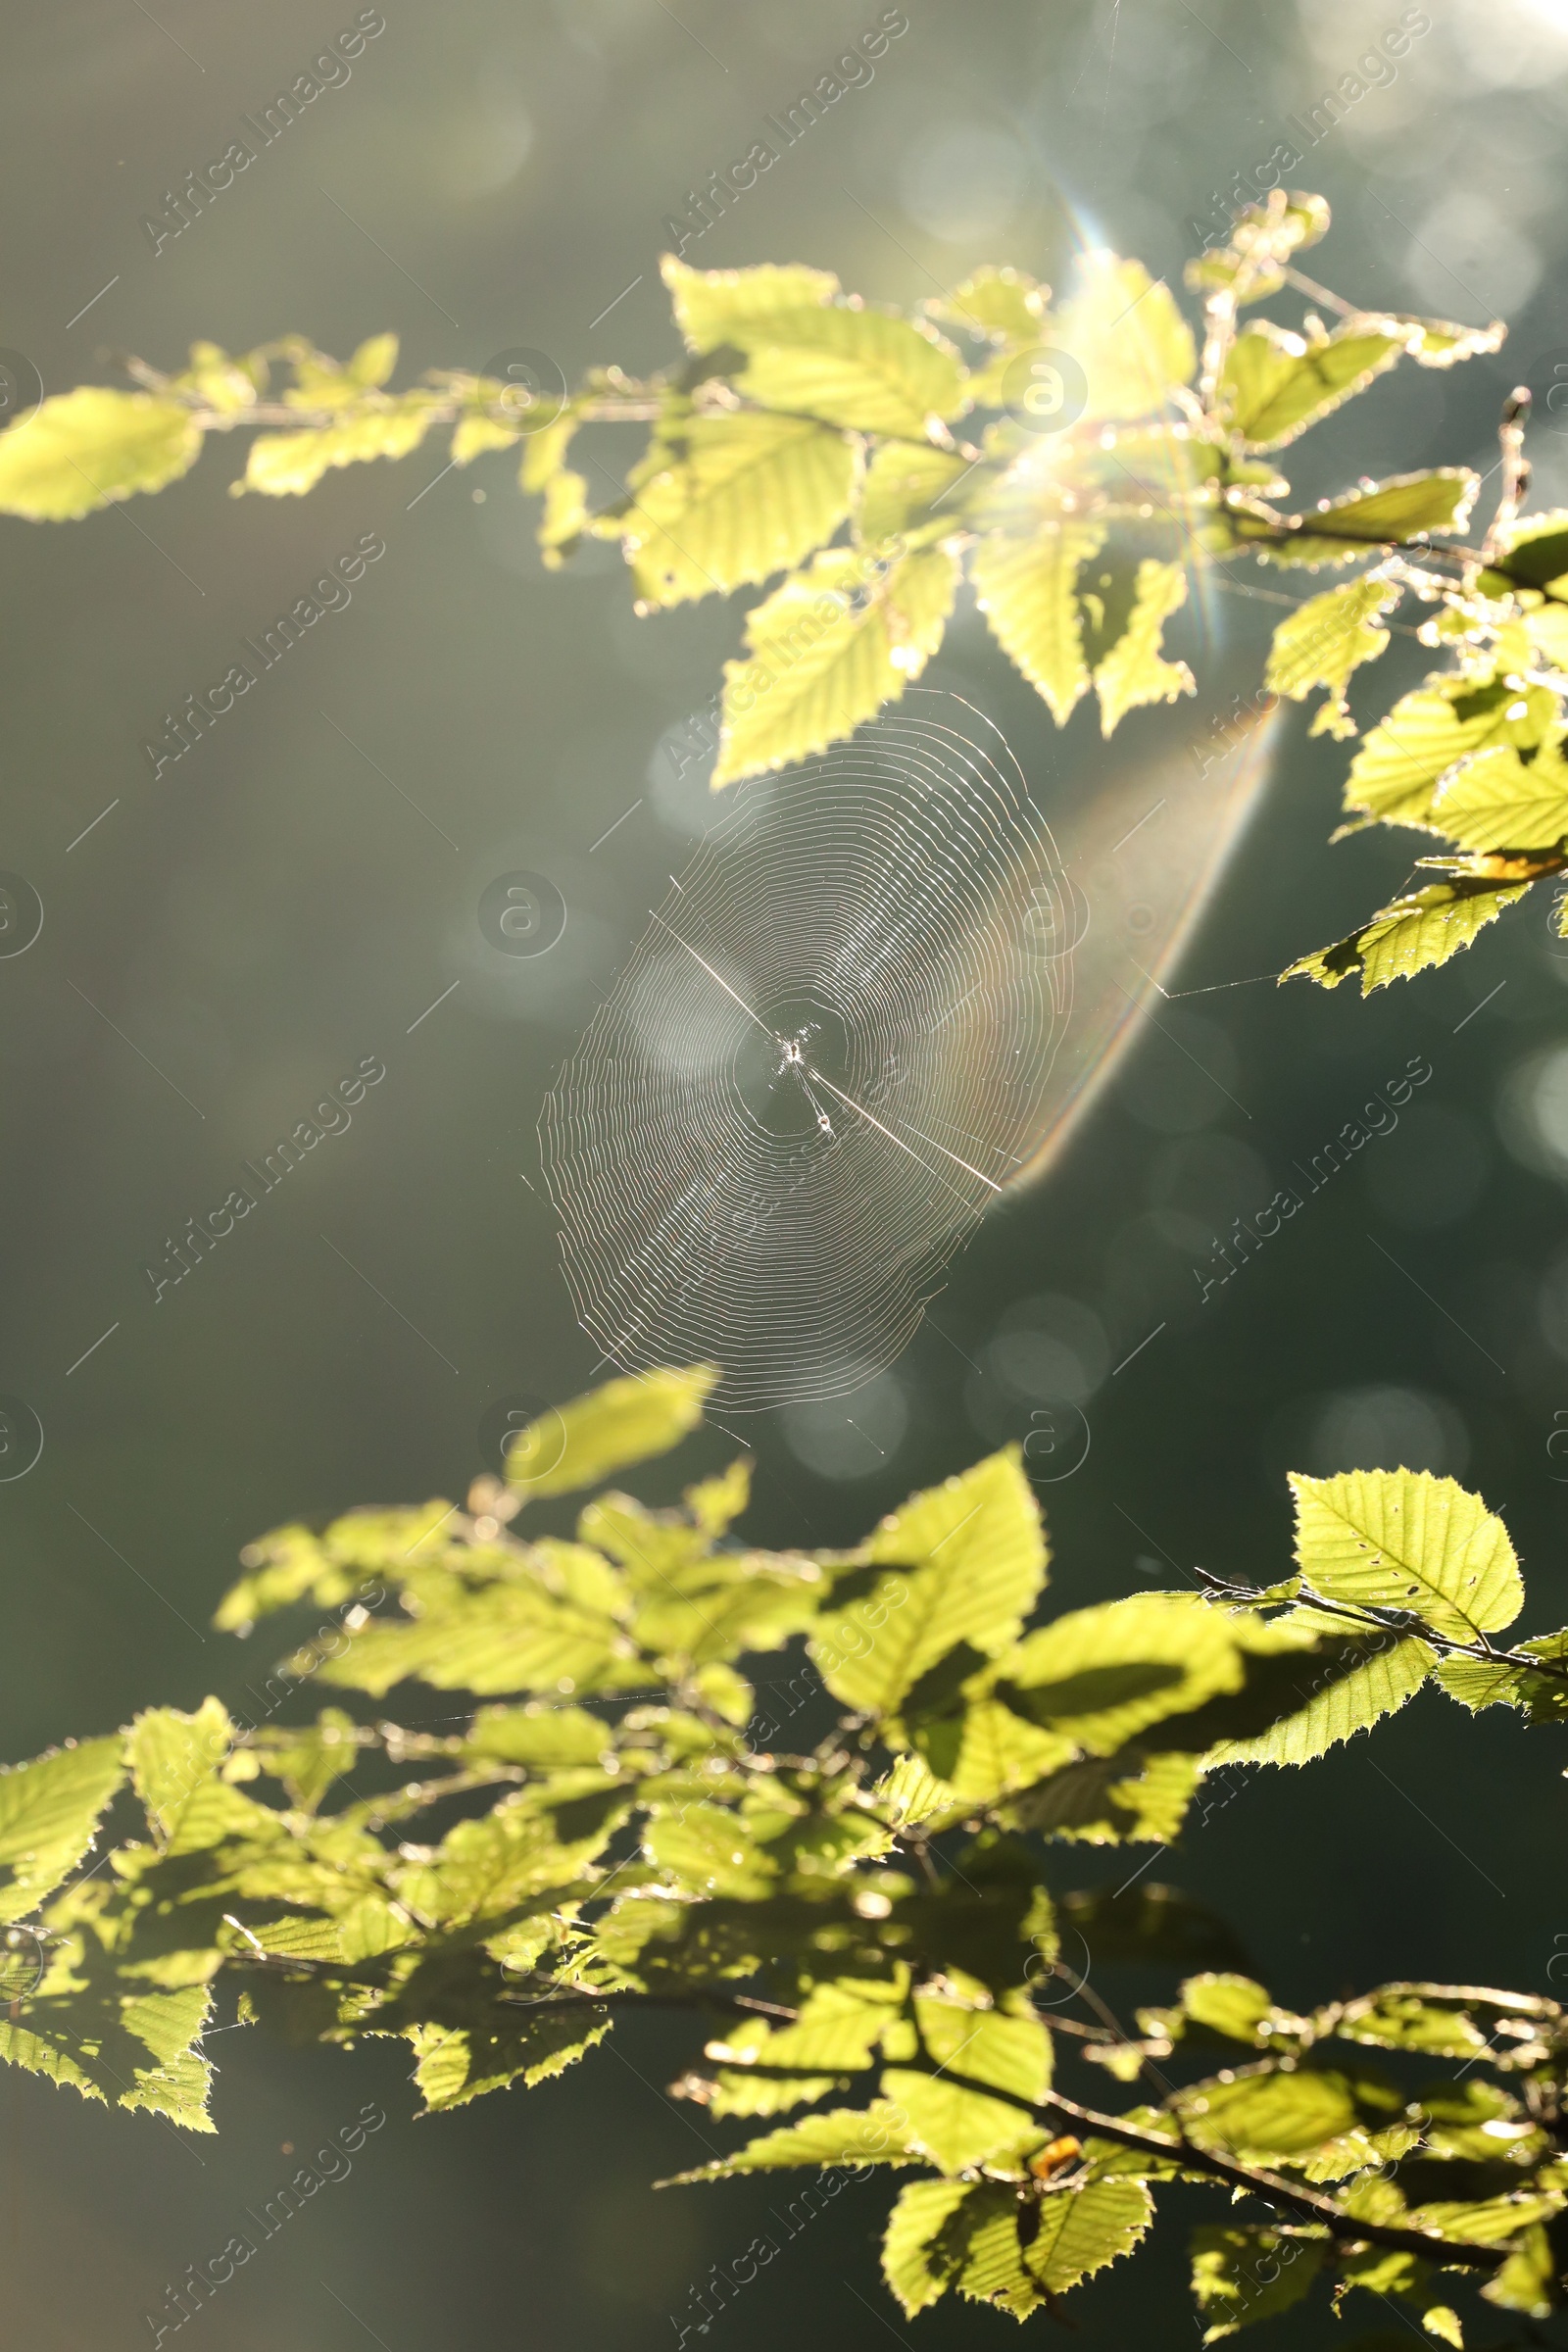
<point>1496,802</point>
<point>1528,2280</point>
<point>845,2135</point>
<point>1269,2117</point>
<point>459,2063</point>
<point>287,464</point>
<point>1328,637</point>
<point>1228,2286</point>
<point>826,651</point>
<point>1082,2231</point>
<point>1027,590</point>
<point>1226,2003</point>
<point>1404,1539</point>
<point>1111,1800</point>
<point>1347,1702</point>
<point>1128,336</point>
<point>1534,550</point>
<point>712,1851</point>
<point>966,1561</point>
<point>1397,769</point>
<point>1005,305</point>
<point>1392,2020</point>
<point>1413,935</point>
<point>1544,1695</point>
<point>710,303</point>
<point>731,499</point>
<point>581,1443</point>
<point>904,493</point>
<point>1102,1676</point>
<point>1406,508</point>
<point>1275,385</point>
<point>865,371</point>
<point>916,2262</point>
<point>49,1814</point>
<point>1133,672</point>
<point>987,2046</point>
<point>986,1751</point>
<point>83,448</point>
<point>911,1793</point>
<point>953,2127</point>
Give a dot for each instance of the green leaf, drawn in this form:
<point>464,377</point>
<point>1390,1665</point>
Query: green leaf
<point>84,449</point>
<point>729,498</point>
<point>1343,1703</point>
<point>1543,1696</point>
<point>1497,803</point>
<point>1109,1800</point>
<point>903,494</point>
<point>287,464</point>
<point>1327,637</point>
<point>1103,1675</point>
<point>49,1814</point>
<point>581,1443</point>
<point>710,303</point>
<point>172,1755</point>
<point>865,371</point>
<point>1534,551</point>
<point>1404,1539</point>
<point>1391,513</point>
<point>710,1850</point>
<point>953,2127</point>
<point>1133,672</point>
<point>1413,935</point>
<point>1271,2117</point>
<point>985,1751</point>
<point>844,2136</point>
<point>1240,2276</point>
<point>966,1564</point>
<point>1391,2018</point>
<point>1528,2279</point>
<point>1275,385</point>
<point>1126,333</point>
<point>985,2044</point>
<point>911,1793</point>
<point>826,651</point>
<point>1397,771</point>
<point>1027,590</point>
<point>1228,2004</point>
<point>918,2261</point>
<point>460,2063</point>
<point>1083,2231</point>
<point>1007,305</point>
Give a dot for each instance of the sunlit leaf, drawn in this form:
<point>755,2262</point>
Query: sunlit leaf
<point>83,448</point>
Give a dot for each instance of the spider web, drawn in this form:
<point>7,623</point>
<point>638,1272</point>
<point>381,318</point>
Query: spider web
<point>823,1060</point>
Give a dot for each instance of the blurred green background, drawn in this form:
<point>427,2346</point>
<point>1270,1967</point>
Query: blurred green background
<point>230,939</point>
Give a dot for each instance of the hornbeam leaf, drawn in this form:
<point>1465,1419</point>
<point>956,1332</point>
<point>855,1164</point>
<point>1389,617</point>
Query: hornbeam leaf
<point>1133,672</point>
<point>1082,2231</point>
<point>1391,513</point>
<point>458,2063</point>
<point>1534,553</point>
<point>731,499</point>
<point>84,449</point>
<point>1126,333</point>
<point>905,492</point>
<point>710,303</point>
<point>1341,1704</point>
<point>588,1440</point>
<point>1026,589</point>
<point>1404,1539</point>
<point>1269,2117</point>
<point>1325,639</point>
<point>845,2135</point>
<point>918,2261</point>
<point>1496,802</point>
<point>1228,2282</point>
<point>287,464</point>
<point>1410,936</point>
<point>1395,773</point>
<point>1275,385</point>
<point>965,1563</point>
<point>49,1813</point>
<point>951,2127</point>
<point>863,369</point>
<point>826,651</point>
<point>1103,1675</point>
<point>1004,305</point>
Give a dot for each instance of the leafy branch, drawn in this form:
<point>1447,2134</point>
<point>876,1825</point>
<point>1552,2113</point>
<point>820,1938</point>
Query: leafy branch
<point>859,1932</point>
